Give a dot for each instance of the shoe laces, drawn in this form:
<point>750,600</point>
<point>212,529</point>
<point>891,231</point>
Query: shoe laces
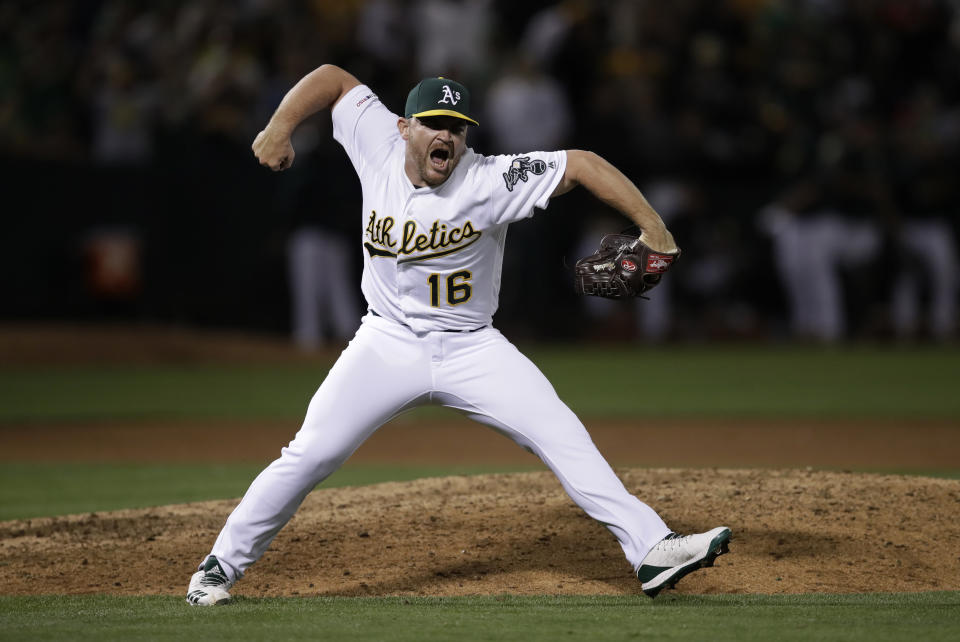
<point>213,578</point>
<point>671,542</point>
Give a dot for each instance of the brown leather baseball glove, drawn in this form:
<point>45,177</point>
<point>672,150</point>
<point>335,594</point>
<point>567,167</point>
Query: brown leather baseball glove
<point>624,266</point>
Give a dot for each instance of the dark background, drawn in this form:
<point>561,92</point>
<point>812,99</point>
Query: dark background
<point>130,123</point>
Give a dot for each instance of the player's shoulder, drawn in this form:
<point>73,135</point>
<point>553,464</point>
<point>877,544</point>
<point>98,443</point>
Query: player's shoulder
<point>360,104</point>
<point>494,160</point>
<point>505,161</point>
<point>479,168</point>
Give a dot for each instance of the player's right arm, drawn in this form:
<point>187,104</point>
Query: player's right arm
<point>321,89</point>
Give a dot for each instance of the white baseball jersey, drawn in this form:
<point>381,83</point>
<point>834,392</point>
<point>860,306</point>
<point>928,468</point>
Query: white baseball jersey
<point>433,255</point>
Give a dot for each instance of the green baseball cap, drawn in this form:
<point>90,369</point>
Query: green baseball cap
<point>439,97</point>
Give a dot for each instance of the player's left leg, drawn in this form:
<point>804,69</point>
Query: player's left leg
<point>384,370</point>
<point>485,376</point>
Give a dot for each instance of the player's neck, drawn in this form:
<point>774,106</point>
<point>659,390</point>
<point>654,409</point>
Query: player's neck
<point>415,179</point>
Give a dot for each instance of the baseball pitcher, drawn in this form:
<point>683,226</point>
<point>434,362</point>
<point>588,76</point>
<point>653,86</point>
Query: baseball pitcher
<point>432,232</point>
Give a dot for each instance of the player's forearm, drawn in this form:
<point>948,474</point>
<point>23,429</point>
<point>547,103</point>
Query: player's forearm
<point>318,90</point>
<point>608,184</point>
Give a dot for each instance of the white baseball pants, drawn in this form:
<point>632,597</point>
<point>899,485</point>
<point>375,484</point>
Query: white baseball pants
<point>386,369</point>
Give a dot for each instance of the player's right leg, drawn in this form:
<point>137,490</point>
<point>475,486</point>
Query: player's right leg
<point>493,383</point>
<point>381,372</point>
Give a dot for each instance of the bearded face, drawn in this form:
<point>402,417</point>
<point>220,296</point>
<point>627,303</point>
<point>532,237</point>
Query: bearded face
<point>434,147</point>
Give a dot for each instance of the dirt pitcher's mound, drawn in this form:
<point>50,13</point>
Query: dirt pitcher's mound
<point>794,532</point>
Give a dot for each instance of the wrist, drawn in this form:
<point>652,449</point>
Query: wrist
<point>659,241</point>
<point>282,125</point>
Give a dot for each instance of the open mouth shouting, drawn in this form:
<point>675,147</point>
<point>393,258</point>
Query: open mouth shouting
<point>439,159</point>
<point>435,144</point>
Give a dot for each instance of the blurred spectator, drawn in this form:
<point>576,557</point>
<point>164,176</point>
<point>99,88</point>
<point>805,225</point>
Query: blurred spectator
<point>927,197</point>
<point>123,116</point>
<point>526,110</point>
<point>323,304</point>
<point>929,266</point>
<point>548,28</point>
<point>383,30</point>
<point>813,245</point>
<point>319,200</point>
<point>452,37</point>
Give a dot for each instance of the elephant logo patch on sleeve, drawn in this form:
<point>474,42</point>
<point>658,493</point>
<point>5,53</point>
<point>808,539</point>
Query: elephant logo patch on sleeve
<point>519,169</point>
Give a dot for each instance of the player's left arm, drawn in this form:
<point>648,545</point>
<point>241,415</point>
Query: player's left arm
<point>608,184</point>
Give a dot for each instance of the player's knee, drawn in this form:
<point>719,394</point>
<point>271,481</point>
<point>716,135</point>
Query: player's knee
<point>313,460</point>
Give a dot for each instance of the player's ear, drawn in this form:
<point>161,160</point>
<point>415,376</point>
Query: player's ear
<point>403,126</point>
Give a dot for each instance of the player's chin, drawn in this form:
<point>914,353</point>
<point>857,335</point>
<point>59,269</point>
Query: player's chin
<point>436,173</point>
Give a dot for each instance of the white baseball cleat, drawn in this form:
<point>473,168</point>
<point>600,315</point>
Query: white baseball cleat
<point>676,556</point>
<point>209,585</point>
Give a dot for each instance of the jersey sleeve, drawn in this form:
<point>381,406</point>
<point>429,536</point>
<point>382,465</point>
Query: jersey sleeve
<point>523,182</point>
<point>363,126</point>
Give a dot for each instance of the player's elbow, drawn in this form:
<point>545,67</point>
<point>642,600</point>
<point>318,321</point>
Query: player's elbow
<point>578,163</point>
<point>571,172</point>
<point>332,70</point>
<point>579,160</point>
<point>338,79</point>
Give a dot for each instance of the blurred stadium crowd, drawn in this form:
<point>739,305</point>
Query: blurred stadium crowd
<point>800,150</point>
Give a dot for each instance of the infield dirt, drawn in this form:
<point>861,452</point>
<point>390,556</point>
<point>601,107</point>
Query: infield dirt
<point>797,528</point>
<point>794,532</point>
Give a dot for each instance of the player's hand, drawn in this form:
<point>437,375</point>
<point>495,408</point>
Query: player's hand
<point>660,242</point>
<point>273,149</point>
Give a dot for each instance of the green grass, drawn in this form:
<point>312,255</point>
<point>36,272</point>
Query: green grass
<point>870,618</point>
<point>758,381</point>
<point>62,488</point>
<point>156,392</point>
<point>670,382</point>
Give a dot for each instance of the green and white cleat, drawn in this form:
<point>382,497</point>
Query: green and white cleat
<point>209,585</point>
<point>676,556</point>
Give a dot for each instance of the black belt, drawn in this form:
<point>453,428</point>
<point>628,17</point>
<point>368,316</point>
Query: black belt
<point>377,314</point>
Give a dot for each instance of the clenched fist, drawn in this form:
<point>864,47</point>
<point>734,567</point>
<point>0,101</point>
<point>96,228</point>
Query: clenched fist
<point>273,149</point>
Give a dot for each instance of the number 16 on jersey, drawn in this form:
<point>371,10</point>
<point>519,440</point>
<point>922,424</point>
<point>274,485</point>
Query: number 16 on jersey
<point>458,288</point>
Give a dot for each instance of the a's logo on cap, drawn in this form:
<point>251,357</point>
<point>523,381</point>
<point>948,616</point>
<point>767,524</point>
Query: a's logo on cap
<point>454,96</point>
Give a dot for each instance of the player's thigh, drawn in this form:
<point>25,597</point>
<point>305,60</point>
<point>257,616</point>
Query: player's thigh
<point>379,374</point>
<point>494,379</point>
